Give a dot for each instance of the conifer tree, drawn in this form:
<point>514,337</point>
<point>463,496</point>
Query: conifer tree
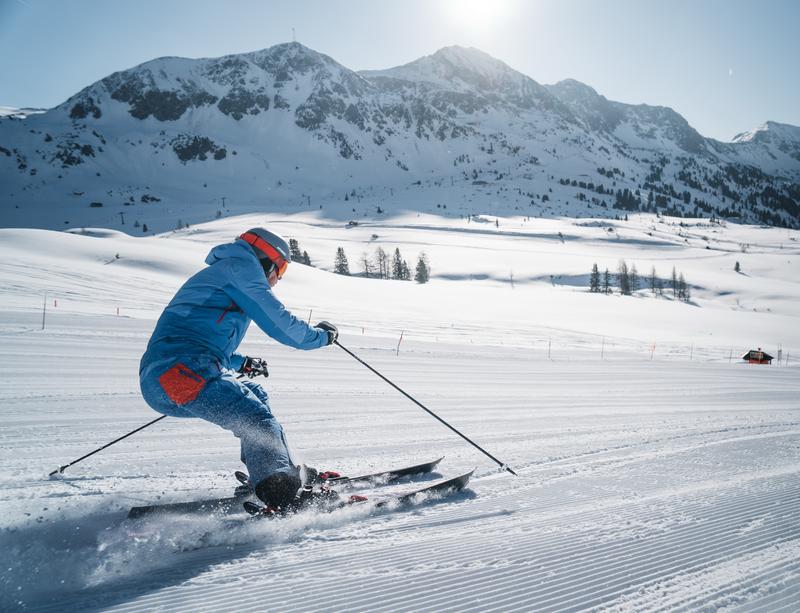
<point>606,282</point>
<point>653,279</point>
<point>340,265</point>
<point>423,272</point>
<point>294,251</point>
<point>594,279</point>
<point>623,279</point>
<point>397,265</point>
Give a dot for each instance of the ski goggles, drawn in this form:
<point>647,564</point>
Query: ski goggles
<point>268,250</point>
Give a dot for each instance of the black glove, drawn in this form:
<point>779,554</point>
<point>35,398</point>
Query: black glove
<point>333,331</point>
<point>253,367</point>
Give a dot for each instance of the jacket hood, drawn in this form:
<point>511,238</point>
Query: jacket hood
<point>236,249</point>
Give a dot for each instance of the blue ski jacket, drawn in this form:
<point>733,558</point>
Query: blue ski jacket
<point>212,311</point>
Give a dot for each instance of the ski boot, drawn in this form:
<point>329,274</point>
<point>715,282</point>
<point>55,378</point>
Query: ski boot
<point>278,490</point>
<point>311,476</point>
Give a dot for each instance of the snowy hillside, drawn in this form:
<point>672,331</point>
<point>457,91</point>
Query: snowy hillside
<point>176,141</point>
<point>657,471</point>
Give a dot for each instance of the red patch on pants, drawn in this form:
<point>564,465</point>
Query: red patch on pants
<point>181,384</point>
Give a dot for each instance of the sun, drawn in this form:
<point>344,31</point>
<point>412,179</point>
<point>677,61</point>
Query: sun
<point>477,14</point>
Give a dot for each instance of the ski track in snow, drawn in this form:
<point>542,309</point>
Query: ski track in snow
<point>679,493</point>
<point>662,477</point>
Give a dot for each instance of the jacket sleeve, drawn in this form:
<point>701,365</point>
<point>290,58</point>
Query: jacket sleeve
<point>250,291</point>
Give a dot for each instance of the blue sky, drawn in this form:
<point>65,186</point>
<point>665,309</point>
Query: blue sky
<point>725,65</point>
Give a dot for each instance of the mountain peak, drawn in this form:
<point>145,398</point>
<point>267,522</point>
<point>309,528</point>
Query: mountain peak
<point>767,131</point>
<point>571,88</point>
<point>470,58</point>
<point>289,49</point>
<point>454,66</point>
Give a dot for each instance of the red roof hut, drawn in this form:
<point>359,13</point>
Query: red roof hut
<point>757,356</point>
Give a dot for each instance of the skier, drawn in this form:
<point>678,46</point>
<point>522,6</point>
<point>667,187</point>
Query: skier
<point>186,370</point>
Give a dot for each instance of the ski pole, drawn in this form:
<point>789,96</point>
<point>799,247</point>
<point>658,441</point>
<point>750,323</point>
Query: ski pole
<point>116,440</point>
<point>502,465</point>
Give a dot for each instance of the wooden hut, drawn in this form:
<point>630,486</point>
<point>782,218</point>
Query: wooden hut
<point>757,356</point>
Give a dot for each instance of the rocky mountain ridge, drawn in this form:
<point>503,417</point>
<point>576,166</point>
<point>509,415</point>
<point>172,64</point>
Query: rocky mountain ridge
<point>279,126</point>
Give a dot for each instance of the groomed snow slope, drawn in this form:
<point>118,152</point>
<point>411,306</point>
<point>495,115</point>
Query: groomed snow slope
<point>648,479</point>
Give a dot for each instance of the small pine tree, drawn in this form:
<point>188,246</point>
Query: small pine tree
<point>305,258</point>
<point>397,265</point>
<point>623,279</point>
<point>594,279</point>
<point>294,250</point>
<point>406,272</point>
<point>606,282</point>
<point>423,273</point>
<point>144,227</point>
<point>340,265</point>
<point>653,279</point>
<point>736,267</point>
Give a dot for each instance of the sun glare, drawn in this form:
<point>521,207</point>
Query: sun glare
<point>477,14</point>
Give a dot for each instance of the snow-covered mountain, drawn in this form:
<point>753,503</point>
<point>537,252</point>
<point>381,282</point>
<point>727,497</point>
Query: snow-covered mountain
<point>178,140</point>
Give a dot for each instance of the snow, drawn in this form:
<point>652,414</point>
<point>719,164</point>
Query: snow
<point>17,113</point>
<point>655,472</point>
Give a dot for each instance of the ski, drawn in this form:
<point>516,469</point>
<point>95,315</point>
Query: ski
<point>226,505</point>
<point>453,484</point>
<point>211,505</point>
<point>387,476</point>
<point>378,478</point>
